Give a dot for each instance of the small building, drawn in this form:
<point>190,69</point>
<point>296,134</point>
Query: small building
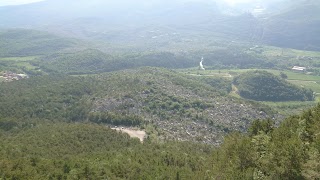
<point>298,68</point>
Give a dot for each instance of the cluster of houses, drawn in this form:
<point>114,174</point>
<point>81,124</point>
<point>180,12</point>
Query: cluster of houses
<point>10,76</point>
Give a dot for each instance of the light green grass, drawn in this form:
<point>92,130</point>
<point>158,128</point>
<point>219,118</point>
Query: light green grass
<point>315,86</point>
<point>19,63</point>
<point>223,72</point>
<point>275,51</point>
<point>290,107</point>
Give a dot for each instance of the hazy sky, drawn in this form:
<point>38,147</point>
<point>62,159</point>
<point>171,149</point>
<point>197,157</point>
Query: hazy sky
<point>16,2</point>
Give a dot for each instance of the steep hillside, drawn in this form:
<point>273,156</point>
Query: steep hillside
<point>177,106</point>
<point>264,86</point>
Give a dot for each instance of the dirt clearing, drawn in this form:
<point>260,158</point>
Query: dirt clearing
<point>132,133</point>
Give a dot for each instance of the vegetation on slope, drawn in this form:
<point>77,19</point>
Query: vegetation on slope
<point>178,106</point>
<point>264,86</point>
<point>93,61</point>
<point>20,42</point>
<point>44,150</point>
<point>82,62</point>
<point>290,151</point>
<point>87,151</point>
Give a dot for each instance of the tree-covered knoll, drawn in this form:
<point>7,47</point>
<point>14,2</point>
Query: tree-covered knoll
<point>21,42</point>
<point>264,86</point>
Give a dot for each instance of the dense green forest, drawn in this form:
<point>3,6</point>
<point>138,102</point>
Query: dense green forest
<point>38,149</point>
<point>264,86</point>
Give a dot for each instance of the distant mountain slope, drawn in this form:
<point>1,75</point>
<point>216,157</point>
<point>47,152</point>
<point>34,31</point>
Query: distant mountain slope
<point>296,27</point>
<point>123,20</point>
<point>22,42</point>
<point>161,24</point>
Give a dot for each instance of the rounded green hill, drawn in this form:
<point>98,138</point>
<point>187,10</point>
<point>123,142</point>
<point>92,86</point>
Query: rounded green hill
<point>264,86</point>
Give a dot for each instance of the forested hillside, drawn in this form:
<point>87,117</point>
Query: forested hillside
<point>264,86</point>
<point>290,151</point>
<point>178,106</point>
<point>41,150</point>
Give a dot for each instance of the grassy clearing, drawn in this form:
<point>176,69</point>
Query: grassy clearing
<point>18,64</point>
<point>275,51</point>
<point>289,108</point>
<point>223,72</point>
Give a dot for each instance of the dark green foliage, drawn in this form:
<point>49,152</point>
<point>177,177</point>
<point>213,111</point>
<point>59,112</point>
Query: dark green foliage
<point>89,151</point>
<point>265,126</point>
<point>264,86</point>
<point>116,118</point>
<point>283,75</point>
<point>287,152</point>
<point>50,97</point>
